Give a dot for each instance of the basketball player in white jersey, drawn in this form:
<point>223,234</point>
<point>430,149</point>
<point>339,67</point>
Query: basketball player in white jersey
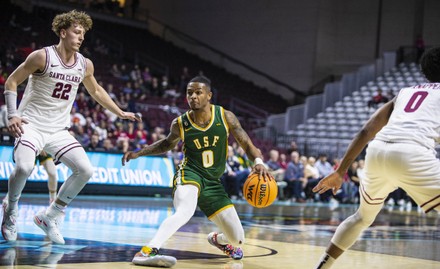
<point>42,120</point>
<point>402,154</point>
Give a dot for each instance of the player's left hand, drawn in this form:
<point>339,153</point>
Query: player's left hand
<point>131,116</point>
<point>129,155</point>
<point>331,182</point>
<point>262,172</point>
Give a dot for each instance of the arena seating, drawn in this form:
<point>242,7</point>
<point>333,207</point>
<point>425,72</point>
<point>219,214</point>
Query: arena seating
<point>343,120</point>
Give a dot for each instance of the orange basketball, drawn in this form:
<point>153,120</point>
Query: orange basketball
<point>259,193</point>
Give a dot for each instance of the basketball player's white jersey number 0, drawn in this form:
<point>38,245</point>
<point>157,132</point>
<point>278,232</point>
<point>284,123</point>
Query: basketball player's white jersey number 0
<point>415,101</point>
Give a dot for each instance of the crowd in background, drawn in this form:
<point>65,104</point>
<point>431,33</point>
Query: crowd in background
<point>296,175</point>
<point>100,130</point>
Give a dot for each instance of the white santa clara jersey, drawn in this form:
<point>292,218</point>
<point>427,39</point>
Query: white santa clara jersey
<point>416,116</point>
<point>49,95</point>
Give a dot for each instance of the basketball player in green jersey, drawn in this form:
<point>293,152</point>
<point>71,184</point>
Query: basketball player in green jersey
<point>204,129</point>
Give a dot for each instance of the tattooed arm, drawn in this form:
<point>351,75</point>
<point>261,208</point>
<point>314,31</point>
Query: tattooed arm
<point>158,147</point>
<point>245,142</point>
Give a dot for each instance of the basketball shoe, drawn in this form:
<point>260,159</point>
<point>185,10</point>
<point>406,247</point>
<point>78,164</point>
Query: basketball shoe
<point>151,257</point>
<point>49,226</point>
<point>9,231</point>
<point>234,253</point>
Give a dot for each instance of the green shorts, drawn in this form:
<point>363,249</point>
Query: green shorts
<point>212,195</point>
<point>41,159</point>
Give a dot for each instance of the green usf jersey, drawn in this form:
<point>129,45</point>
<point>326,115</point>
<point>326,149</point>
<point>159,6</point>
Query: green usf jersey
<point>206,148</point>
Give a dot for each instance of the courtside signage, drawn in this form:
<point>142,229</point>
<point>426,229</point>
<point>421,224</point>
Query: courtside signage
<point>143,171</point>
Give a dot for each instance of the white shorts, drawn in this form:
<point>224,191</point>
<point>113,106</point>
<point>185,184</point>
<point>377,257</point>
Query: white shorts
<point>56,144</point>
<point>412,167</point>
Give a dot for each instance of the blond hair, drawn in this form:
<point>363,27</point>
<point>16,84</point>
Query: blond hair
<point>65,20</point>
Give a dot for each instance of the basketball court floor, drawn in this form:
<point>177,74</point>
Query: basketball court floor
<point>105,232</point>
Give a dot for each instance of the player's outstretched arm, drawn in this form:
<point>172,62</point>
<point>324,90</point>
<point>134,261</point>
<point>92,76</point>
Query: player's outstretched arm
<point>158,147</point>
<point>101,96</point>
<point>245,142</point>
<point>369,130</point>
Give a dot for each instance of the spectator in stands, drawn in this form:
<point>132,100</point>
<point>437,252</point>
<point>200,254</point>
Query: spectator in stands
<point>141,131</point>
<point>101,130</point>
<point>89,127</point>
<point>82,101</point>
<point>131,132</point>
<point>243,159</point>
<point>76,117</point>
<point>125,74</point>
<point>131,102</point>
<point>351,185</point>
<point>115,72</point>
<point>122,145</point>
<point>140,90</point>
<point>94,144</point>
<point>293,147</point>
<point>377,99</point>
<point>234,175</point>
<point>294,176</point>
<point>153,138</point>
<point>108,146</point>
<point>146,75</point>
<point>325,169</point>
<point>311,174</point>
<point>283,161</point>
<point>155,87</point>
<point>81,136</point>
<point>111,90</point>
<point>128,88</point>
<point>122,101</point>
<point>323,166</point>
<point>274,166</point>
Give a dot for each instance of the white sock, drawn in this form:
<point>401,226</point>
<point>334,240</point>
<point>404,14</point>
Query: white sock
<point>325,262</point>
<point>52,195</point>
<point>11,205</point>
<point>55,210</point>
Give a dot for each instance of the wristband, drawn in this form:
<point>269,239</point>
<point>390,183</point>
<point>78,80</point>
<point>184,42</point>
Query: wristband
<point>11,103</point>
<point>258,161</point>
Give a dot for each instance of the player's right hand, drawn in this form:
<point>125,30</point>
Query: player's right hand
<point>15,127</point>
<point>129,155</point>
<point>331,182</point>
<point>262,171</point>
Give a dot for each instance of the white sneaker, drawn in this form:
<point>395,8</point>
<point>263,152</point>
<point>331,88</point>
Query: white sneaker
<point>9,231</point>
<point>49,226</point>
<point>151,257</point>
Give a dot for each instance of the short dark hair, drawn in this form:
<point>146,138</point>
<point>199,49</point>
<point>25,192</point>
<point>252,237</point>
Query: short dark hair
<point>202,79</point>
<point>430,64</point>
